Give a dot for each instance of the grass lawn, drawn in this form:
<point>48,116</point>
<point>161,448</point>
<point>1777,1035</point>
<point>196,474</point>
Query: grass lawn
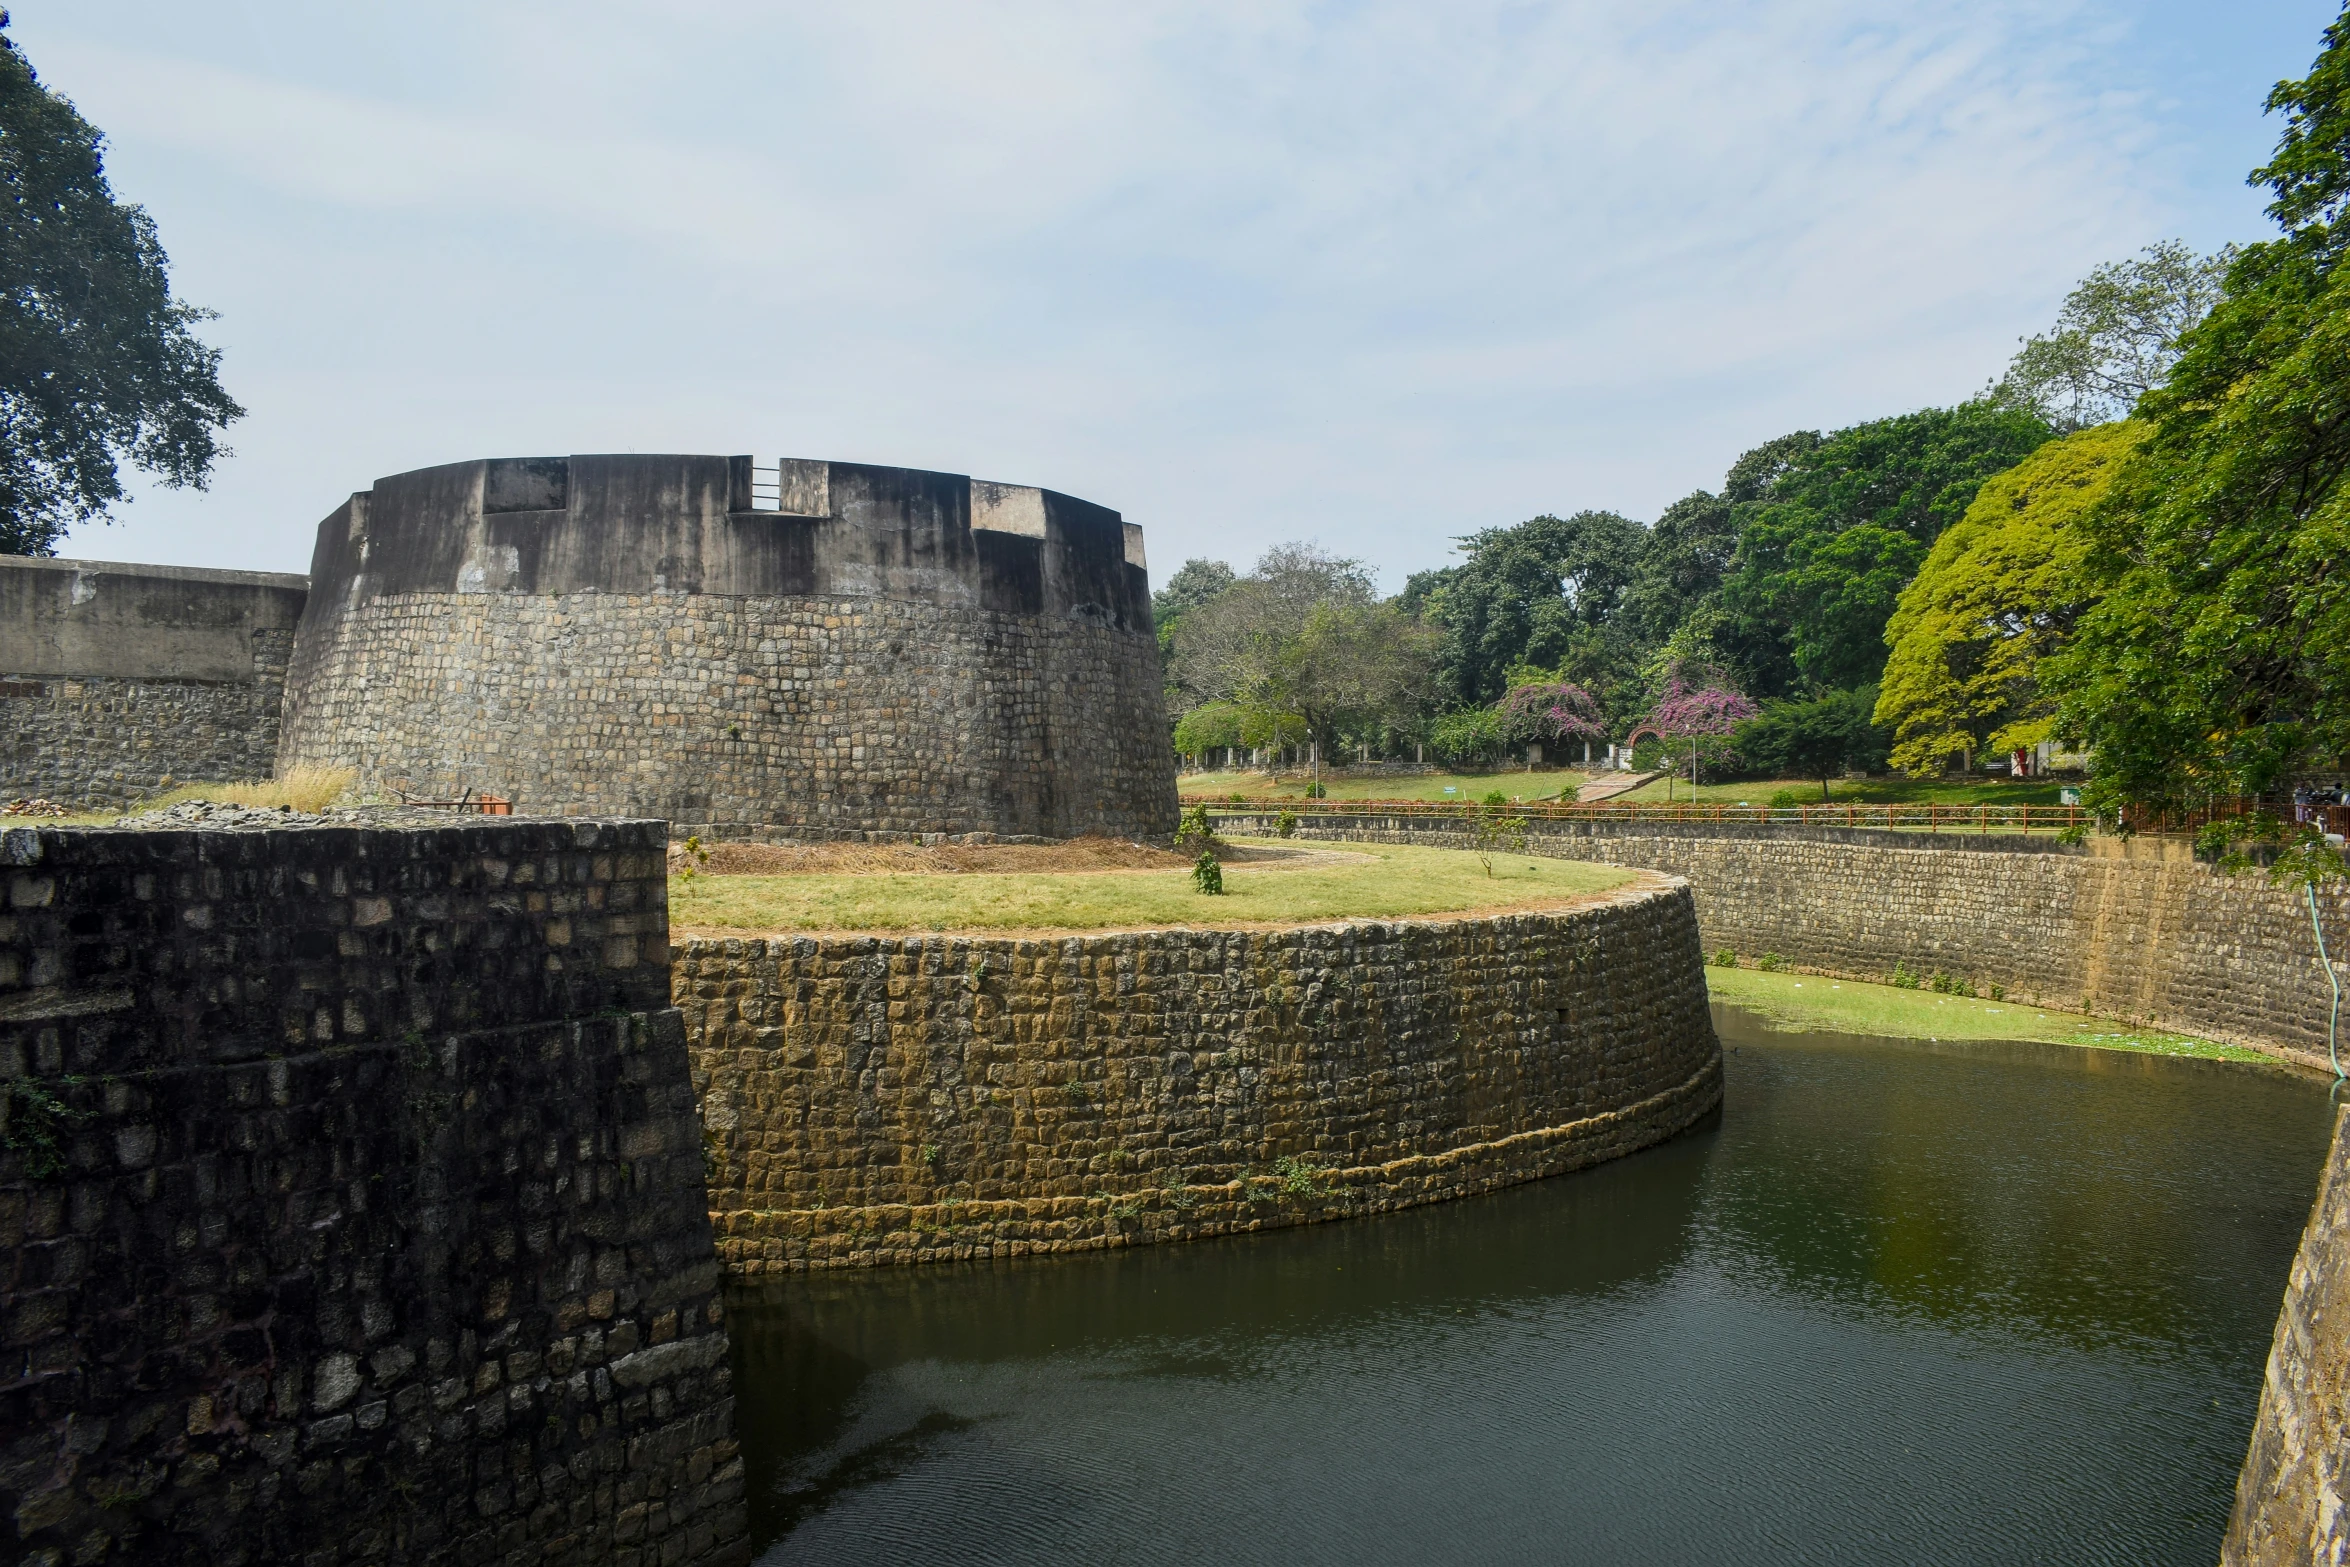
<point>1301,884</point>
<point>1543,784</point>
<point>1843,1006</point>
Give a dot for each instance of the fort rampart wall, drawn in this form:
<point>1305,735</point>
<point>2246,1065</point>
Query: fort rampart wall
<point>878,1100</point>
<point>2135,930</point>
<point>843,650</point>
<point>114,679</point>
<point>351,1203</point>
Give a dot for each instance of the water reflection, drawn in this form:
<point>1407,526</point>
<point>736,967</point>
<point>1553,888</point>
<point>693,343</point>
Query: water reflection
<point>1967,1304</point>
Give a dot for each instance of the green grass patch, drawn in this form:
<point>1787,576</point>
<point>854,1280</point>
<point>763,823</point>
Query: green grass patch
<point>1364,881</point>
<point>1844,1006</point>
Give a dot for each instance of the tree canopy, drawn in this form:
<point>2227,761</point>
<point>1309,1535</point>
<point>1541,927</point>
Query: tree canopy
<point>98,362</point>
<point>1999,592</point>
<point>2217,657</point>
<point>1527,595</point>
<point>1838,528</point>
<point>1822,738</point>
<point>2116,338</point>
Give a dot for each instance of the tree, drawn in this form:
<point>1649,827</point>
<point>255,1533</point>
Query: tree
<point>1552,710</point>
<point>1823,738</point>
<point>1196,583</point>
<point>1212,726</point>
<point>1697,712</point>
<point>1998,594</point>
<point>2116,337</point>
<point>1526,594</point>
<point>1302,641</point>
<point>1468,737</point>
<point>2217,657</point>
<point>1836,528</point>
<point>98,361</point>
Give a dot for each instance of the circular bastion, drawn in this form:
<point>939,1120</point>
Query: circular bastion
<point>873,1100</point>
<point>811,649</point>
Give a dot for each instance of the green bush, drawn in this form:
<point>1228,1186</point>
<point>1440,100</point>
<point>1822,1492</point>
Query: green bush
<point>1787,797</point>
<point>1315,791</point>
<point>1769,962</point>
<point>1207,875</point>
<point>1286,823</point>
<point>1726,958</point>
<point>1903,978</point>
<point>1196,829</point>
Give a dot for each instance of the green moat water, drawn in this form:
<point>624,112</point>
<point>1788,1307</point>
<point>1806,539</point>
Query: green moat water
<point>1901,1302</point>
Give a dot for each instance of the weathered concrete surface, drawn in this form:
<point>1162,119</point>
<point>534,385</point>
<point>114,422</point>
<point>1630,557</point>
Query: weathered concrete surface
<point>889,651</point>
<point>2136,931</point>
<point>114,678</point>
<point>931,1098</point>
<point>351,1204</point>
<point>2290,1498</point>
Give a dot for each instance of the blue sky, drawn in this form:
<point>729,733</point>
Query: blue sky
<point>1374,274</point>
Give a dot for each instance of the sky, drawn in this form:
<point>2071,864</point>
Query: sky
<point>1371,274</point>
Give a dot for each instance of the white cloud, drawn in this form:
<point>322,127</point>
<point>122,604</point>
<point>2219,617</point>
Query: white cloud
<point>1381,272</point>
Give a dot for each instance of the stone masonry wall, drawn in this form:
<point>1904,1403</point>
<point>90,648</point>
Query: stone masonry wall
<point>2289,1497</point>
<point>351,1203</point>
<point>2138,931</point>
<point>116,680</point>
<point>835,717</point>
<point>884,1100</point>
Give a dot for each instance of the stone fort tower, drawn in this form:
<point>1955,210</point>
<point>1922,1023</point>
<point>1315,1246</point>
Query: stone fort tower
<point>820,648</point>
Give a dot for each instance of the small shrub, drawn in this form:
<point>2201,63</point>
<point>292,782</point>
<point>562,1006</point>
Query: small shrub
<point>1315,791</point>
<point>1299,1177</point>
<point>1497,798</point>
<point>1903,978</point>
<point>1999,992</point>
<point>1286,823</point>
<point>1791,797</point>
<point>1726,958</point>
<point>1769,962</point>
<point>1240,799</point>
<point>1196,830</point>
<point>1207,875</point>
<point>1950,985</point>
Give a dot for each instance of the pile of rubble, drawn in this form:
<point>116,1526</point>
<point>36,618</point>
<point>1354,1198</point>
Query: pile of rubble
<point>33,808</point>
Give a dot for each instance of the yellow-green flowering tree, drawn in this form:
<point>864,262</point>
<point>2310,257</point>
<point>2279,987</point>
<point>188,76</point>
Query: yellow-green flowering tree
<point>1999,592</point>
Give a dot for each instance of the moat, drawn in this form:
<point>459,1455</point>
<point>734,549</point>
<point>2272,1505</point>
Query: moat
<point>1902,1302</point>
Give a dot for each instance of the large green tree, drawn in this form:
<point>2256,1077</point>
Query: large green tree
<point>1999,593</point>
<point>98,362</point>
<point>1527,596</point>
<point>1833,528</point>
<point>2116,337</point>
<point>2218,656</point>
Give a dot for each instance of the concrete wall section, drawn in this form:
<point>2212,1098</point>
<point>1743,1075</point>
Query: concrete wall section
<point>625,634</point>
<point>2289,1498</point>
<point>918,1099</point>
<point>114,678</point>
<point>351,1206</point>
<point>2139,931</point>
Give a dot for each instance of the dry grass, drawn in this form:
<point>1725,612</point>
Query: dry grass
<point>304,789</point>
<point>1265,883</point>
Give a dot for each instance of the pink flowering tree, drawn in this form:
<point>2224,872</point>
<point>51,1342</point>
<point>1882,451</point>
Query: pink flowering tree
<point>1551,711</point>
<point>1696,712</point>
